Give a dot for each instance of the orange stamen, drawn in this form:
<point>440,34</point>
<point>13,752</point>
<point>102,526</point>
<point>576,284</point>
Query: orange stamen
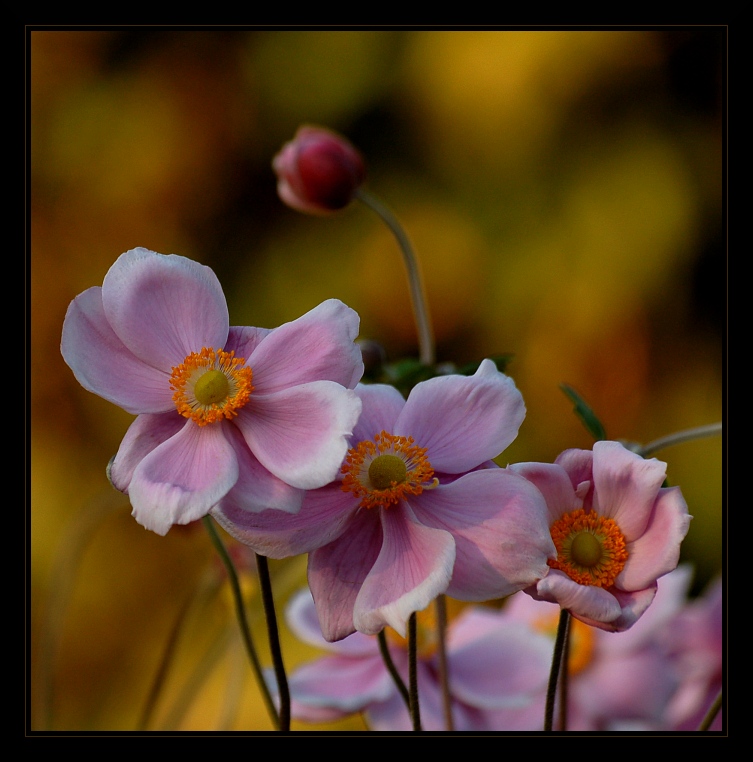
<point>185,377</point>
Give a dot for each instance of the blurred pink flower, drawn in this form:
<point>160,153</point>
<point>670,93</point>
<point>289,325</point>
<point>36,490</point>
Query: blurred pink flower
<point>615,680</point>
<point>418,509</point>
<point>616,529</point>
<point>493,663</point>
<point>318,171</point>
<point>263,414</point>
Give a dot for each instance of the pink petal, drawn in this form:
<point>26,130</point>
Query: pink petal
<point>584,602</point>
<point>381,407</point>
<point>145,434</point>
<point>499,522</point>
<point>337,571</point>
<point>301,434</point>
<point>462,420</point>
<point>554,483</point>
<point>505,666</point>
<point>578,464</point>
<point>276,534</point>
<point>102,363</point>
<point>625,486</point>
<point>180,480</point>
<point>414,566</point>
<point>164,307</point>
<point>243,340</point>
<point>657,551</point>
<point>632,606</point>
<point>319,346</point>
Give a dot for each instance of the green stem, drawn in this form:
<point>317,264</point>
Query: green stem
<point>417,292</point>
<point>274,641</point>
<point>688,435</point>
<point>559,647</point>
<point>564,678</point>
<point>444,678</point>
<point>241,613</point>
<point>415,711</point>
<point>712,713</point>
<point>392,669</point>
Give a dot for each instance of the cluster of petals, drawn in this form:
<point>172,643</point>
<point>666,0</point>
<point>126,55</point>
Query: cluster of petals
<point>474,531</point>
<point>318,172</point>
<point>613,488</point>
<point>156,317</point>
<point>494,663</point>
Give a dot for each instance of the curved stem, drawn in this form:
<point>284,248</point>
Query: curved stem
<point>417,292</point>
<point>241,613</point>
<point>415,712</point>
<point>274,641</point>
<point>712,713</point>
<point>444,679</point>
<point>392,669</point>
<point>688,435</point>
<point>559,647</point>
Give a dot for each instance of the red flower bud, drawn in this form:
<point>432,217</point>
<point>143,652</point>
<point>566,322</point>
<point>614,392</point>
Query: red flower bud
<point>318,171</point>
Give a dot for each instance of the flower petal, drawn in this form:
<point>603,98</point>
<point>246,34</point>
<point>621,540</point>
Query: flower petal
<point>301,434</point>
<point>625,486</point>
<point>145,434</point>
<point>337,571</point>
<point>554,483</point>
<point>164,307</point>
<point>381,407</point>
<point>657,551</point>
<point>463,420</point>
<point>414,566</point>
<point>589,603</point>
<point>276,534</point>
<point>632,605</point>
<point>243,340</point>
<point>181,479</point>
<point>319,346</point>
<point>499,522</point>
<point>104,365</point>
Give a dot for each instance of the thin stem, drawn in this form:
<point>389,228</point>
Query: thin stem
<point>559,645</point>
<point>274,641</point>
<point>444,679</point>
<point>415,712</point>
<point>712,713</point>
<point>564,678</point>
<point>241,613</point>
<point>392,669</point>
<point>417,292</point>
<point>679,437</point>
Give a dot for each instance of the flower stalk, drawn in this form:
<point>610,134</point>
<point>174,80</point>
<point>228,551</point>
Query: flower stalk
<point>415,711</point>
<point>557,661</point>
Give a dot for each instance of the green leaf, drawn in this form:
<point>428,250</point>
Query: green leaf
<point>585,413</point>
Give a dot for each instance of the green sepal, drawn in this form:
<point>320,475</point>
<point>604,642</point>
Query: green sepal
<point>585,413</point>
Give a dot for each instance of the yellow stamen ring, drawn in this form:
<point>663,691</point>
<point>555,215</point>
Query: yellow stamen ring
<point>590,548</point>
<point>211,385</point>
<point>383,471</point>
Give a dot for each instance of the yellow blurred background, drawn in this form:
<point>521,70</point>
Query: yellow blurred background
<point>563,191</point>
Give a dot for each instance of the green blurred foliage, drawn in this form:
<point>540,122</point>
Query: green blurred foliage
<point>563,191</point>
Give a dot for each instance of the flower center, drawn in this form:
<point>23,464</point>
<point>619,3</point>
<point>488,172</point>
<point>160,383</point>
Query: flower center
<point>211,385</point>
<point>590,548</point>
<point>383,471</point>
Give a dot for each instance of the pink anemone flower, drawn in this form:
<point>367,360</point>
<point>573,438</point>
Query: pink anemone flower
<point>493,664</point>
<point>419,509</point>
<point>264,413</point>
<point>616,529</point>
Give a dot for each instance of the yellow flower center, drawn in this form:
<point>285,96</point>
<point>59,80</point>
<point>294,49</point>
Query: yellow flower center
<point>590,548</point>
<point>383,471</point>
<point>211,385</point>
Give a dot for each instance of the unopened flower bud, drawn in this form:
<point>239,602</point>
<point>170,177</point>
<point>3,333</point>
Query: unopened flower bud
<point>318,171</point>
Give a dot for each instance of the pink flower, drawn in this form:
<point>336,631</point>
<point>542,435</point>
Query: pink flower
<point>318,172</point>
<point>493,663</point>
<point>418,509</point>
<point>258,413</point>
<point>616,529</point>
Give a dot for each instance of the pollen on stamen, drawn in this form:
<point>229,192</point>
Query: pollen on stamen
<point>211,385</point>
<point>591,548</point>
<point>362,467</point>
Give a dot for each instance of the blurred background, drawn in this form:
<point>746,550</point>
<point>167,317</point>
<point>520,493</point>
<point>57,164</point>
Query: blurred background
<point>563,191</point>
